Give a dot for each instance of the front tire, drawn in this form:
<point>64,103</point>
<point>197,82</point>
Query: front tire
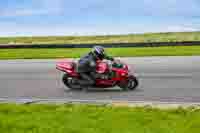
<point>130,84</point>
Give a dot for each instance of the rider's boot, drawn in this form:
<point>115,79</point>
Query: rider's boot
<point>84,85</point>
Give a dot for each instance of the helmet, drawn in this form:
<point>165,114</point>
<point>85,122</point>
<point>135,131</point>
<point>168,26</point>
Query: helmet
<point>99,52</point>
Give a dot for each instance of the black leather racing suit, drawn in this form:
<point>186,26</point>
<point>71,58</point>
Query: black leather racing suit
<point>87,68</point>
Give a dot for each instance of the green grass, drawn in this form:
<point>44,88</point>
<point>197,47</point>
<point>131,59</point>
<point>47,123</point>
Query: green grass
<point>148,37</point>
<point>119,52</point>
<point>96,119</point>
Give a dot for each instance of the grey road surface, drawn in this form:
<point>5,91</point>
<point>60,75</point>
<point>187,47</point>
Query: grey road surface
<point>163,79</point>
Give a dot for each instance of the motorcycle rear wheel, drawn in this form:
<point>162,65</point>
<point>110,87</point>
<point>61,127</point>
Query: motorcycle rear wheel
<point>68,82</point>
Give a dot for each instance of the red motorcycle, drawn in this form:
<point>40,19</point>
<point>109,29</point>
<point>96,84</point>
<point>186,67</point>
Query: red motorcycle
<point>108,74</point>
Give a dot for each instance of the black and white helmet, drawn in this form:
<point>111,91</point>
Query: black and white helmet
<point>99,51</point>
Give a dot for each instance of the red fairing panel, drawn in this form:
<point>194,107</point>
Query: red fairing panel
<point>65,65</point>
<point>101,67</point>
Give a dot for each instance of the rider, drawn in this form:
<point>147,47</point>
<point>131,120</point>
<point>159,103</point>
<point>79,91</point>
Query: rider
<point>87,65</point>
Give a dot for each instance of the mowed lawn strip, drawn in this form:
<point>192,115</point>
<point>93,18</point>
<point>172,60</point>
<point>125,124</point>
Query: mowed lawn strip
<point>71,118</point>
<point>130,38</point>
<point>119,52</point>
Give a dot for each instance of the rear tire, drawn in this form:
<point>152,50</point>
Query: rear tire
<point>130,84</point>
<point>67,81</point>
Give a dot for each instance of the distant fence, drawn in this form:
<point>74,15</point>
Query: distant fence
<point>107,45</point>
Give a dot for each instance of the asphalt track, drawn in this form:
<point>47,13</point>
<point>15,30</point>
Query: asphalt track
<point>162,79</point>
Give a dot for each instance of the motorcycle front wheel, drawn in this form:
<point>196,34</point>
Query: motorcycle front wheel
<point>130,84</point>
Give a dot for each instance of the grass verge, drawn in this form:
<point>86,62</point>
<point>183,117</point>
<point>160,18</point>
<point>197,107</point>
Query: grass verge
<point>148,37</point>
<point>96,119</point>
<point>120,52</point>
